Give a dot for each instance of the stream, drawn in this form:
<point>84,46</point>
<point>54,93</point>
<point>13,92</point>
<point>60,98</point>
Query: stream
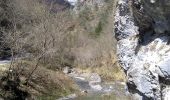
<point>91,90</point>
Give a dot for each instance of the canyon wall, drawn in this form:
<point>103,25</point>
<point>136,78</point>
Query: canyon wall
<point>142,30</point>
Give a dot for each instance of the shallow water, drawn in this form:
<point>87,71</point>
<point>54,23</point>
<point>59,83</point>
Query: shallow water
<point>110,91</point>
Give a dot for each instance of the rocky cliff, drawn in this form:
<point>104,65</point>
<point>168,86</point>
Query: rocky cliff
<point>142,29</point>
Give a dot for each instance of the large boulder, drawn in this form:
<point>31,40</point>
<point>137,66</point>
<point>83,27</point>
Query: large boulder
<point>142,30</point>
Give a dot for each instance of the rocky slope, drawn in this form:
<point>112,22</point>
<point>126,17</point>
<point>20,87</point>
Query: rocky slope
<point>142,31</point>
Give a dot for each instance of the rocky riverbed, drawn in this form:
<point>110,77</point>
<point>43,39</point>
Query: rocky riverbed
<point>92,87</point>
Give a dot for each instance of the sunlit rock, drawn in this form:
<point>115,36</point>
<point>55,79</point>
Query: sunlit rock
<point>72,2</point>
<point>142,29</point>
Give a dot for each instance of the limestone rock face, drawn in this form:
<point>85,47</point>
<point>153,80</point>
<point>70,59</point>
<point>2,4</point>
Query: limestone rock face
<point>142,29</point>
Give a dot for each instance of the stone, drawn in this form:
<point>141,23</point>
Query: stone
<point>67,70</point>
<point>166,93</point>
<point>72,2</point>
<point>84,92</point>
<point>94,81</point>
<point>142,30</point>
<point>95,78</point>
<point>69,97</point>
<point>97,87</point>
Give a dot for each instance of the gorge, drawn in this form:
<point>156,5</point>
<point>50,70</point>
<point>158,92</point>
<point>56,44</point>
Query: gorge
<point>91,49</point>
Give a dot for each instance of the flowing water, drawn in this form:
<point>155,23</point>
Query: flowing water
<point>110,91</point>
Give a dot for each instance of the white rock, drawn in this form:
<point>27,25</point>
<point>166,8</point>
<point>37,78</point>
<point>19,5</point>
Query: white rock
<point>144,63</point>
<point>72,2</point>
<point>166,93</point>
<point>96,87</point>
<point>67,70</point>
<point>81,78</point>
<point>94,78</point>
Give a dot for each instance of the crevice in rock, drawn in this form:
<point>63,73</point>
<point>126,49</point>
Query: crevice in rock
<point>164,80</point>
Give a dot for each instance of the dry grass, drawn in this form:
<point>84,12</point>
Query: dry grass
<point>107,73</point>
<point>4,67</point>
<point>51,81</point>
<point>44,84</point>
<point>108,69</point>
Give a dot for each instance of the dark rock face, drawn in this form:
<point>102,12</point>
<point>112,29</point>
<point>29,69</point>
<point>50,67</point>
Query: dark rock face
<point>142,29</point>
